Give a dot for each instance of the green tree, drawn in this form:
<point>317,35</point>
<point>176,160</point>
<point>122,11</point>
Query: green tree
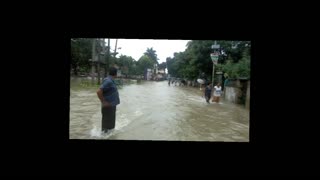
<point>163,65</point>
<point>171,68</point>
<point>134,69</point>
<point>244,64</point>
<point>198,53</point>
<point>126,63</point>
<point>196,59</point>
<point>152,55</point>
<point>144,63</point>
<point>81,52</point>
<point>239,68</point>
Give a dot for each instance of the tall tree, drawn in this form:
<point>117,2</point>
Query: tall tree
<point>126,63</point>
<point>172,67</point>
<point>152,55</point>
<point>81,52</point>
<point>163,65</point>
<point>144,63</point>
<point>195,60</point>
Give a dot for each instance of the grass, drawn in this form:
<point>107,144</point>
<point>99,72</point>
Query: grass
<point>86,84</point>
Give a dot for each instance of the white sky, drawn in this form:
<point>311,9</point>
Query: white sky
<point>136,47</point>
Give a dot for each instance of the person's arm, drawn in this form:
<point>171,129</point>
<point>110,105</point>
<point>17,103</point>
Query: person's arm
<point>204,92</point>
<point>100,96</point>
<point>212,92</point>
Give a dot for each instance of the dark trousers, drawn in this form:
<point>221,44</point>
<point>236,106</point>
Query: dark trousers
<point>208,96</point>
<point>108,118</point>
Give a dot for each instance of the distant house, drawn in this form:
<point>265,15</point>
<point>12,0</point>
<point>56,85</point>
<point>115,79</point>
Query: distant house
<point>162,71</point>
<point>161,74</point>
<point>149,74</point>
<point>119,74</point>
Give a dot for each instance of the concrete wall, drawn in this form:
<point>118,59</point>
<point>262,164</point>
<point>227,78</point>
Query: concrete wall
<point>232,94</point>
<point>248,96</point>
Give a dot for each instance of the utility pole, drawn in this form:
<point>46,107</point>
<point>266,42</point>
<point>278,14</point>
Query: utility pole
<point>214,57</point>
<point>107,59</point>
<point>104,50</point>
<point>213,75</point>
<point>93,59</point>
<point>98,63</point>
<point>115,49</point>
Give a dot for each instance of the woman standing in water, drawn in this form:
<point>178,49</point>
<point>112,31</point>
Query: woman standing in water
<point>216,93</point>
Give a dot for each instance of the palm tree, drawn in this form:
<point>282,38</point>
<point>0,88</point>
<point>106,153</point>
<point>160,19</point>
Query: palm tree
<point>152,54</point>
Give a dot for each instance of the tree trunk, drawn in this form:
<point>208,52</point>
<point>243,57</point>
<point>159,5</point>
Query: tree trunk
<point>107,60</point>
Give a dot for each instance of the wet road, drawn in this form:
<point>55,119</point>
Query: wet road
<point>155,111</point>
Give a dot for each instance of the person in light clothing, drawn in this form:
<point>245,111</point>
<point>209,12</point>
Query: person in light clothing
<point>217,93</point>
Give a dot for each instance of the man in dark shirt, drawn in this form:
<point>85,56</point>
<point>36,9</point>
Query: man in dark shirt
<point>109,97</point>
<point>207,92</point>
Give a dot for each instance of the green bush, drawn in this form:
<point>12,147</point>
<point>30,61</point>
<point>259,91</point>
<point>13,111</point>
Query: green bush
<point>237,70</point>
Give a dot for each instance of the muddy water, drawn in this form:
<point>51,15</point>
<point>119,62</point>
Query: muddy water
<point>155,111</point>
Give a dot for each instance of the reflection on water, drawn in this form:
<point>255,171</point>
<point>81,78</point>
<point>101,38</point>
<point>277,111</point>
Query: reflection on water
<point>156,111</point>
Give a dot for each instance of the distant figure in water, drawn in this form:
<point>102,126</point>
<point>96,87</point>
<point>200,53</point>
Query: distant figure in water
<point>169,81</point>
<point>183,82</point>
<point>207,92</point>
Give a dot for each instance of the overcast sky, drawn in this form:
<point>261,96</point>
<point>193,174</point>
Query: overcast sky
<point>136,47</point>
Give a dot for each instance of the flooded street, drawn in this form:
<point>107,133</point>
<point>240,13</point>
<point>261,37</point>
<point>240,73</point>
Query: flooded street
<point>155,111</point>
